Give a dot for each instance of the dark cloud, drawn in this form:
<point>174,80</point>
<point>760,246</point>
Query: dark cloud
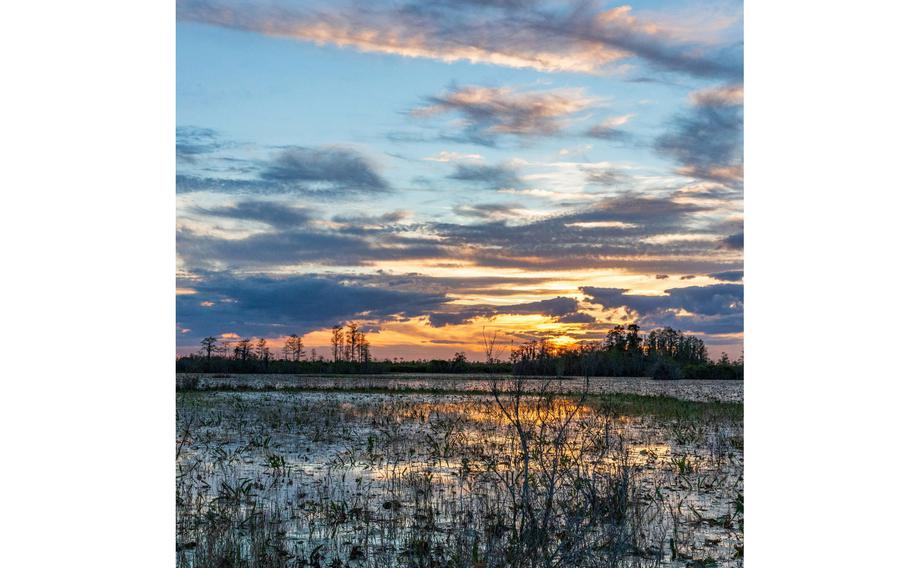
<point>609,234</point>
<point>707,140</point>
<point>714,309</point>
<point>558,306</point>
<point>733,241</point>
<point>611,225</point>
<point>661,276</point>
<point>577,317</point>
<point>326,168</point>
<point>490,177</point>
<point>728,275</point>
<point>383,219</point>
<point>277,215</point>
<point>273,306</point>
<point>614,233</point>
<point>347,246</point>
<point>327,171</point>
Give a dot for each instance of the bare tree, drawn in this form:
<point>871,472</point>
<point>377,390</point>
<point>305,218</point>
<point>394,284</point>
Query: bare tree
<point>353,338</point>
<point>243,351</point>
<point>337,342</point>
<point>293,347</point>
<point>260,348</point>
<point>363,348</point>
<point>209,346</point>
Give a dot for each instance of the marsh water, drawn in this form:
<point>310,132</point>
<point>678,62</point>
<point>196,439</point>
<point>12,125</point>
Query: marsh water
<point>698,390</point>
<point>398,478</point>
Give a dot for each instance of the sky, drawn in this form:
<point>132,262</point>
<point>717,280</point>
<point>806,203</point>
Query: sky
<point>433,169</point>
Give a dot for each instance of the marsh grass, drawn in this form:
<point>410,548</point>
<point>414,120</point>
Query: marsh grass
<point>327,478</point>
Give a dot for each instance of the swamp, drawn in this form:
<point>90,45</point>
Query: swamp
<point>491,471</point>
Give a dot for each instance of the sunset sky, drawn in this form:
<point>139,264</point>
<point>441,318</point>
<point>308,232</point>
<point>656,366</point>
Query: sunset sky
<point>431,168</point>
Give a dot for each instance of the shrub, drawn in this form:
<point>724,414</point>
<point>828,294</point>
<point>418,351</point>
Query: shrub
<point>665,370</point>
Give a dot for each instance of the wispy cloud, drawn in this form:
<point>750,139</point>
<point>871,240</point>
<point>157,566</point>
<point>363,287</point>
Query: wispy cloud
<point>579,36</point>
<point>490,210</point>
<point>707,140</point>
<point>193,141</point>
<point>619,233</point>
<point>491,177</point>
<point>274,214</point>
<point>321,170</point>
<point>490,112</point>
<point>610,129</point>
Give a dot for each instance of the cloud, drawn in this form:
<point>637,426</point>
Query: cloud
<point>325,171</point>
<point>707,140</point>
<point>492,177</point>
<point>708,309</point>
<point>735,242</point>
<point>274,306</point>
<point>728,275</point>
<point>578,36</point>
<point>727,95</point>
<point>616,232</point>
<point>604,176</point>
<point>490,210</point>
<point>326,168</point>
<point>490,112</point>
<point>275,214</point>
<point>193,141</point>
<point>627,232</point>
<point>345,246</point>
<point>577,317</point>
<point>389,218</point>
<point>447,156</point>
<point>609,129</point>
<point>557,307</point>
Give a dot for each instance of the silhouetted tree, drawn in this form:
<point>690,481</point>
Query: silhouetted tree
<point>243,350</point>
<point>262,353</point>
<point>353,337</point>
<point>209,346</point>
<point>337,342</point>
<point>363,348</point>
<point>293,347</point>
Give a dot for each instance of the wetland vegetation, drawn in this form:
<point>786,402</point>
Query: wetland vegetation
<point>520,473</point>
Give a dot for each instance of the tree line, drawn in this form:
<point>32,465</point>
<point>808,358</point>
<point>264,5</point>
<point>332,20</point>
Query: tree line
<point>664,353</point>
<point>623,352</point>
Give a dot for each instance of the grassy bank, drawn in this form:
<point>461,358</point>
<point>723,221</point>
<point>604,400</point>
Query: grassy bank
<point>621,404</point>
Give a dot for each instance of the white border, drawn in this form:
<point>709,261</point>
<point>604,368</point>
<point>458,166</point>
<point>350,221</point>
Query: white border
<point>88,256</point>
<point>88,283</point>
<point>826,316</point>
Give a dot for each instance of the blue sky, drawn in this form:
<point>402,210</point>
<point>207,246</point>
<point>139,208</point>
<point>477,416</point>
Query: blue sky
<point>434,168</point>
